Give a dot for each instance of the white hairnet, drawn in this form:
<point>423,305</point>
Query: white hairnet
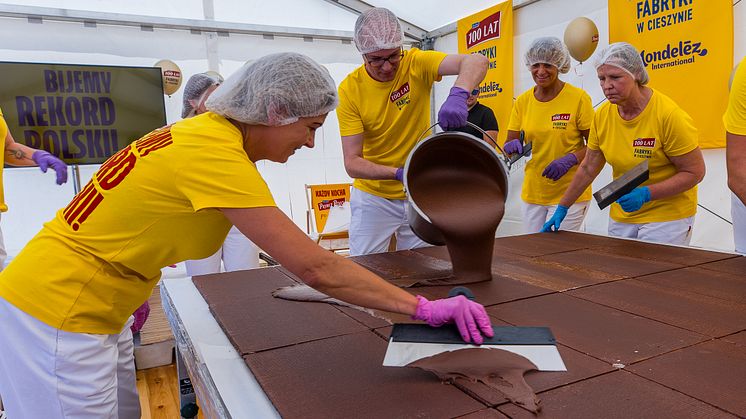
<point>377,29</point>
<point>548,50</point>
<point>195,89</point>
<point>626,57</point>
<point>275,90</point>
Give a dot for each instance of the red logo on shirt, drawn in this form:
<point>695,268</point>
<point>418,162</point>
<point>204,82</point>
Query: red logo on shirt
<point>399,93</point>
<point>111,174</point>
<point>644,142</point>
<point>561,117</point>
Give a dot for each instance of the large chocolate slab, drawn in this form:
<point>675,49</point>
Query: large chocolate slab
<point>593,262</point>
<point>579,367</point>
<point>253,320</point>
<point>702,281</point>
<point>404,265</point>
<point>498,256</point>
<point>602,332</point>
<point>713,371</point>
<point>735,265</point>
<point>342,377</point>
<point>552,275</point>
<point>540,244</point>
<point>662,253</point>
<point>619,394</point>
<point>696,312</point>
<point>485,414</point>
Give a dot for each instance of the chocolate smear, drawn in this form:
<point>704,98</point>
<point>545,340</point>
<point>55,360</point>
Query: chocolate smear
<point>499,370</point>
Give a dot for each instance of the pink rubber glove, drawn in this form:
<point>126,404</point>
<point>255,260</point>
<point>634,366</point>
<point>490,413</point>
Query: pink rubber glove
<point>560,166</point>
<point>46,160</point>
<point>141,314</point>
<point>454,112</point>
<point>470,317</point>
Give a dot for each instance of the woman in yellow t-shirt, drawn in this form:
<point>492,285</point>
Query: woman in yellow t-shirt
<point>556,118</point>
<point>639,123</point>
<point>169,196</point>
<point>735,134</point>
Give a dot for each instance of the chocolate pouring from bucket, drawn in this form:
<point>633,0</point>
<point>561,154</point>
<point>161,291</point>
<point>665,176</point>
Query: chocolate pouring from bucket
<point>411,342</point>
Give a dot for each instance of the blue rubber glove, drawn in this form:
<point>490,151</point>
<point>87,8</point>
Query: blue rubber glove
<point>46,160</point>
<point>470,317</point>
<point>454,111</point>
<point>513,147</point>
<point>559,214</point>
<point>560,166</point>
<point>634,200</point>
<point>400,174</point>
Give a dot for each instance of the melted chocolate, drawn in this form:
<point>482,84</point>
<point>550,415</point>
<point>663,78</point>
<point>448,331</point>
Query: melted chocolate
<point>462,195</point>
<point>499,370</point>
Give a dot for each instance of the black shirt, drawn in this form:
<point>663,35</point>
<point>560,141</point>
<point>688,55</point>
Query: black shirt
<point>481,116</point>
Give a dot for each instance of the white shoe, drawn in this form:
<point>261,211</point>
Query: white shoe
<point>3,415</point>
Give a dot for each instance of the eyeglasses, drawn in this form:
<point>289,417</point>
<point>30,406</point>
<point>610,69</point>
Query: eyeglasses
<point>475,92</point>
<point>392,59</point>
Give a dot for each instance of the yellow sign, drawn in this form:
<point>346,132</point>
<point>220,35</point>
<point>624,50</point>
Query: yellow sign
<point>323,197</point>
<point>687,48</point>
<point>490,33</point>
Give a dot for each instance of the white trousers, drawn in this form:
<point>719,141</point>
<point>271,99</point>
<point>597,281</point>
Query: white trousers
<point>534,216</point>
<point>677,232</point>
<point>738,212</point>
<point>237,253</point>
<point>374,220</point>
<point>52,374</point>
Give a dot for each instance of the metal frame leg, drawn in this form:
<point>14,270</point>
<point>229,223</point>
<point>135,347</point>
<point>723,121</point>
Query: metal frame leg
<point>187,397</point>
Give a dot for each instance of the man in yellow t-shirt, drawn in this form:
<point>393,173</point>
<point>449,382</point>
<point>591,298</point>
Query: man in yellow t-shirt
<point>16,154</point>
<point>639,123</point>
<point>556,118</point>
<point>735,127</point>
<point>384,106</point>
<point>169,196</point>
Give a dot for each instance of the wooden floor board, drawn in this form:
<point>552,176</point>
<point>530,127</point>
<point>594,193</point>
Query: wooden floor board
<point>159,395</point>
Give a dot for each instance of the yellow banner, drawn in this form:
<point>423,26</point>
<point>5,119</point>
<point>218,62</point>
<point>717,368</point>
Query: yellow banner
<point>490,33</point>
<point>323,197</point>
<point>687,48</point>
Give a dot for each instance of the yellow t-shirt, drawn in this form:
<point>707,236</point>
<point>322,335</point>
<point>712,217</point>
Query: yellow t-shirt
<point>390,115</point>
<point>735,116</point>
<point>662,129</point>
<point>553,128</point>
<point>3,134</point>
<point>152,204</point>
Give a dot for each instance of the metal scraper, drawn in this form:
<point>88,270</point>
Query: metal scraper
<point>622,185</point>
<point>410,342</point>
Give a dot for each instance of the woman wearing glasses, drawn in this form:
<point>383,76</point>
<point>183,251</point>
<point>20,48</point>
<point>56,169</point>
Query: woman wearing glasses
<point>384,106</point>
<point>556,118</point>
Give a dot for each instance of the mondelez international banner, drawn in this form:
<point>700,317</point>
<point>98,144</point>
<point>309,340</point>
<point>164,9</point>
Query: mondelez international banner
<point>81,114</point>
<point>687,48</point>
<point>490,33</point>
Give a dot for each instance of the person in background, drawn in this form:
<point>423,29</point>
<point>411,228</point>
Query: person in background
<point>556,117</point>
<point>170,196</point>
<point>384,108</point>
<point>735,127</point>
<point>481,116</point>
<point>16,154</point>
<point>237,252</point>
<point>639,123</point>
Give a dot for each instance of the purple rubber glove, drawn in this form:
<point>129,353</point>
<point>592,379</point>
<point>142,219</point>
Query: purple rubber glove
<point>559,215</point>
<point>141,314</point>
<point>560,166</point>
<point>634,200</point>
<point>454,111</point>
<point>470,317</point>
<point>46,160</point>
<point>513,147</point>
<point>400,174</point>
